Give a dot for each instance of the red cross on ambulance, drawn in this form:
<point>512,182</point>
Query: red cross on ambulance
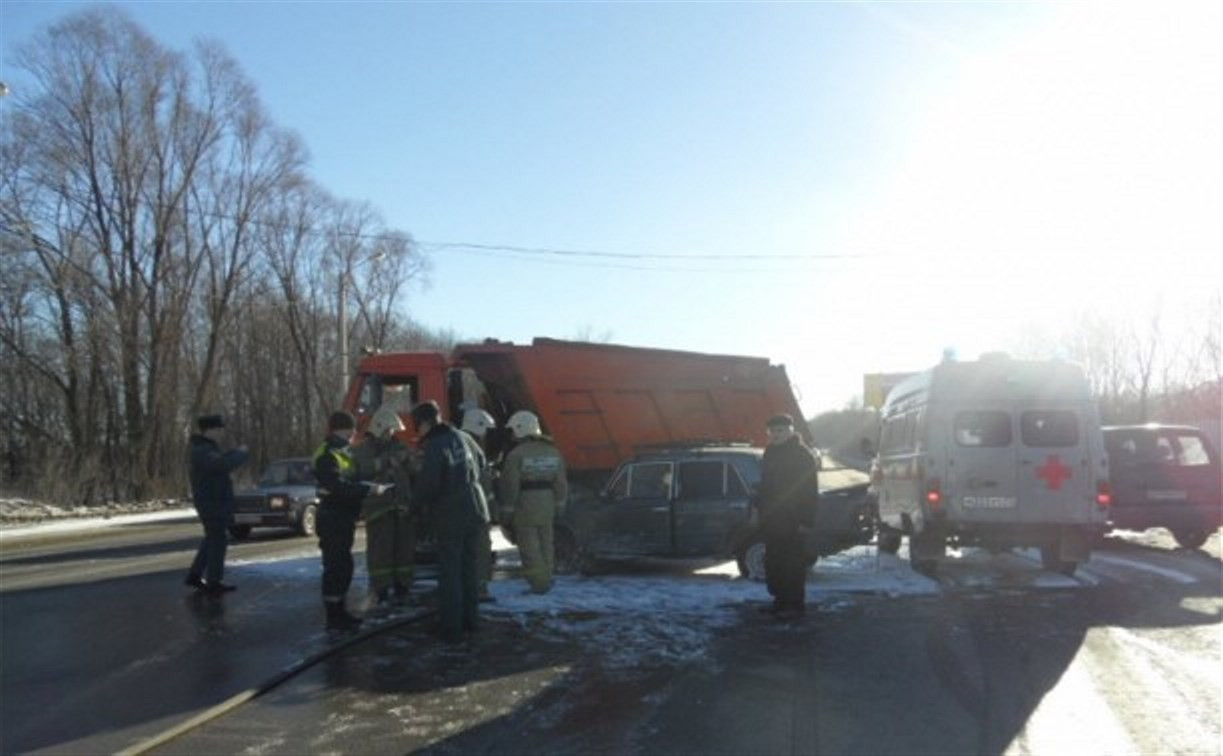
<point>1054,472</point>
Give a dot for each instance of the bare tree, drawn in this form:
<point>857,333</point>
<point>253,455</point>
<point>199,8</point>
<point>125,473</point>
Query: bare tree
<point>164,253</point>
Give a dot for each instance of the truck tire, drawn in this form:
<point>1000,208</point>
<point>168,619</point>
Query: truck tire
<point>1190,537</point>
<point>750,558</point>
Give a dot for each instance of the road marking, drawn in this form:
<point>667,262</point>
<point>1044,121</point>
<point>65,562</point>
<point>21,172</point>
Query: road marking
<point>1174,575</point>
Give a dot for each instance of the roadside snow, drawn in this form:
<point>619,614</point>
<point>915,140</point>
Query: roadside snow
<point>24,517</point>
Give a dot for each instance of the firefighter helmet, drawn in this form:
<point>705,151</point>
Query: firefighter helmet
<point>385,422</point>
<point>477,422</point>
<point>523,424</point>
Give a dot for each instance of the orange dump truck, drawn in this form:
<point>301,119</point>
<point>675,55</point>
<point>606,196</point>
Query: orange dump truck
<point>600,402</point>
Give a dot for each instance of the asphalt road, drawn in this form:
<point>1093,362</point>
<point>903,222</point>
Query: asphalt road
<point>103,648</point>
<point>998,661</point>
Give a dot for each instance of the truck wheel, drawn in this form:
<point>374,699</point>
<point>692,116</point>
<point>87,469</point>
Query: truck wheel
<point>239,532</point>
<point>1051,560</point>
<point>751,559</point>
<point>307,524</point>
<point>888,542</point>
<point>1190,538</point>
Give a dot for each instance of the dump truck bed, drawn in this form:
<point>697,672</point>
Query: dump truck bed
<point>603,402</point>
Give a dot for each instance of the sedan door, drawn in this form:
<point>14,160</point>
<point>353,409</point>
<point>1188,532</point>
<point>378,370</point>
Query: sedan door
<point>634,517</point>
<point>711,503</point>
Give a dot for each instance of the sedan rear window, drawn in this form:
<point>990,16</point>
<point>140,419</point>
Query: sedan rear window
<point>1049,428</point>
<point>983,428</point>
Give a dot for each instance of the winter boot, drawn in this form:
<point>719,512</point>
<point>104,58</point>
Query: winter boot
<point>338,618</point>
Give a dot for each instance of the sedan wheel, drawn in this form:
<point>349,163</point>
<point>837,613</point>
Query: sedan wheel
<point>307,524</point>
<point>566,557</point>
<point>751,560</point>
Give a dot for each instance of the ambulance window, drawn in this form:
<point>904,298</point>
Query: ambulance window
<point>982,428</point>
<point>1049,428</point>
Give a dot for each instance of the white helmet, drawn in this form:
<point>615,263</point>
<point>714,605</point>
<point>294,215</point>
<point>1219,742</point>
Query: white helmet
<point>385,422</point>
<point>523,424</point>
<point>477,422</point>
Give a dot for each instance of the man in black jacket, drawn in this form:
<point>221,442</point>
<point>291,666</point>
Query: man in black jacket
<point>448,484</point>
<point>212,493</point>
<point>789,494</point>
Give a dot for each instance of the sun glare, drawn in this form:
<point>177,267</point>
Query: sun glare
<point>1073,168</point>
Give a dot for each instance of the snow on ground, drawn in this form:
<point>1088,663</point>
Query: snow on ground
<point>23,517</point>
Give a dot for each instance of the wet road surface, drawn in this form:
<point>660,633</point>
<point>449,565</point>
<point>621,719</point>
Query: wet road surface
<point>103,649</point>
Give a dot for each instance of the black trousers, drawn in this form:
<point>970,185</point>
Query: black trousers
<point>337,527</point>
<point>209,562</point>
<point>785,569</point>
<point>458,580</point>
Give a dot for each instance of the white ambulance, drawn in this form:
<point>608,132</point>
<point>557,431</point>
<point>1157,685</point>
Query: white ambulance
<point>997,453</point>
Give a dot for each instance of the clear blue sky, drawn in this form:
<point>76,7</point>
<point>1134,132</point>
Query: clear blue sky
<point>941,174</point>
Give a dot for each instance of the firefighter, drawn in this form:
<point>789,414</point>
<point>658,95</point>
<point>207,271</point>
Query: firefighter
<point>390,537</point>
<point>533,492</point>
<point>340,493</point>
<point>476,425</point>
<point>448,484</point>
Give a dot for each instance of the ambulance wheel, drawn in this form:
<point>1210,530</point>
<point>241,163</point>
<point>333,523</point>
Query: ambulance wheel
<point>924,551</point>
<point>1050,559</point>
<point>1190,538</point>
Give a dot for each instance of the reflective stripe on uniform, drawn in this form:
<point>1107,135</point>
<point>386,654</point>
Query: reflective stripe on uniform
<point>343,460</point>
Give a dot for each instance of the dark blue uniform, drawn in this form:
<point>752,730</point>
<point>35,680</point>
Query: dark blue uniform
<point>449,486</point>
<point>212,493</point>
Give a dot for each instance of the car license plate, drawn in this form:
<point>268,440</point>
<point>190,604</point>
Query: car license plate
<point>248,519</point>
<point>1166,495</point>
<point>989,502</point>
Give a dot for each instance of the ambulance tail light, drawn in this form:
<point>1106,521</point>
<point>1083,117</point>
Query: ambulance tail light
<point>1104,494</point>
<point>934,494</point>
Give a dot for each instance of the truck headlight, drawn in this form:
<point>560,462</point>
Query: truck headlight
<point>278,502</point>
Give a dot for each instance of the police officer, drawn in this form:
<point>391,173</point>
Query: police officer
<point>389,531</point>
<point>212,493</point>
<point>787,498</point>
<point>449,485</point>
<point>533,488</point>
<point>341,493</point>
<point>476,425</point>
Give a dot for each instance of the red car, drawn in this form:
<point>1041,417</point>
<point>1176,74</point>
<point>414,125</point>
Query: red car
<point>1165,476</point>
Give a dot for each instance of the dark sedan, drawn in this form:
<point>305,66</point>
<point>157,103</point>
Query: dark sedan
<point>696,501</point>
<point>286,496</point>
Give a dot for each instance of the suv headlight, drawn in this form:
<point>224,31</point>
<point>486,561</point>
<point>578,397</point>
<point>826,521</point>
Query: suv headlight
<point>278,502</point>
